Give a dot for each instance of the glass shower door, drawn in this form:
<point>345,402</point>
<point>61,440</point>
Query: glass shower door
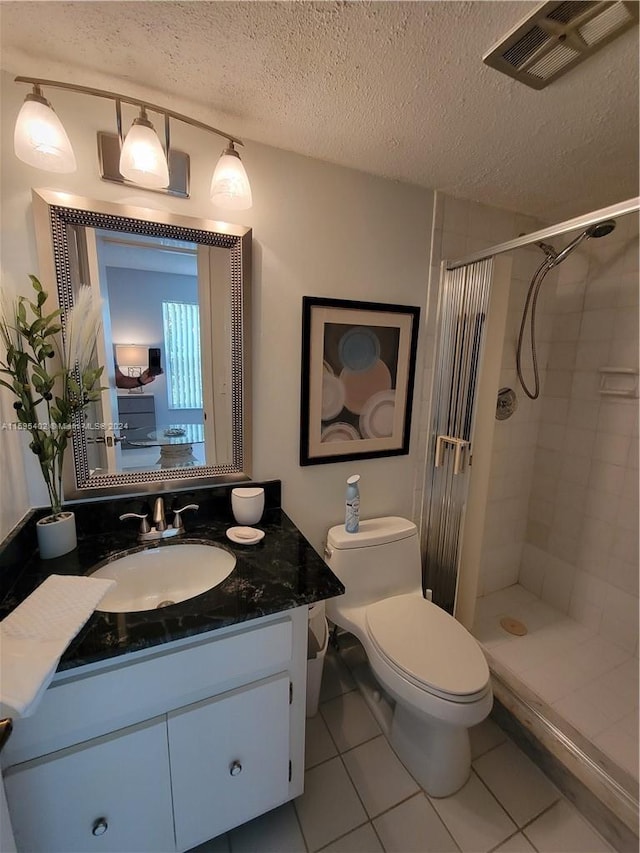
<point>462,315</point>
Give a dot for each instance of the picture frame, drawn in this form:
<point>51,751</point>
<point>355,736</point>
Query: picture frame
<point>358,373</point>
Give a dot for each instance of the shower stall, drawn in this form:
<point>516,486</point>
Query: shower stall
<point>530,517</point>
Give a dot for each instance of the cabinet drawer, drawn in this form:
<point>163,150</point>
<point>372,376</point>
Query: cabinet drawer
<point>121,781</point>
<point>229,759</point>
<point>139,403</point>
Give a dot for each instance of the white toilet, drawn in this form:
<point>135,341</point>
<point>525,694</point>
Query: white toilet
<point>429,663</point>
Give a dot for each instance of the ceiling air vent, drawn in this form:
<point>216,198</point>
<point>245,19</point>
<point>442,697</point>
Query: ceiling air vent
<point>557,36</point>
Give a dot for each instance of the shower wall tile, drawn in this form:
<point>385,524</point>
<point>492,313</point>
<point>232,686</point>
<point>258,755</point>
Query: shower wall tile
<point>593,475</point>
<point>558,585</point>
<point>597,325</point>
<point>592,355</point>
<point>620,618</point>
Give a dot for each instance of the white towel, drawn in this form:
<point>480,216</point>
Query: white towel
<point>33,637</point>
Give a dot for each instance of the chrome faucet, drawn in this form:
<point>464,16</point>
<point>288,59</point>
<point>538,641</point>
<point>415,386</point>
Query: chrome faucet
<point>160,529</point>
<point>159,520</point>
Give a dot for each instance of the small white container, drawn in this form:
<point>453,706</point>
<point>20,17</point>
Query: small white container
<point>247,505</point>
<point>56,535</point>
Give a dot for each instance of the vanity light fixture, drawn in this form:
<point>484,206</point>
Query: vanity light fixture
<point>230,185</point>
<point>39,138</point>
<point>142,160</point>
<point>41,141</point>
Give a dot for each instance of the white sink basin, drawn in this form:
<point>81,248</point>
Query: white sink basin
<point>157,577</point>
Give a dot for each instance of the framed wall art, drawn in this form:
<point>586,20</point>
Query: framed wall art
<point>358,367</point>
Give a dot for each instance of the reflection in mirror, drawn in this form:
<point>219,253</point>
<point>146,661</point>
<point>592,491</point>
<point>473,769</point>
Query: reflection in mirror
<point>175,321</point>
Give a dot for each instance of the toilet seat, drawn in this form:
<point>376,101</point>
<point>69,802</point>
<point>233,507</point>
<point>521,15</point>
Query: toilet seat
<point>428,647</point>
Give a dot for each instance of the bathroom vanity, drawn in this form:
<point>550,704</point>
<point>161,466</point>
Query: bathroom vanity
<point>163,729</point>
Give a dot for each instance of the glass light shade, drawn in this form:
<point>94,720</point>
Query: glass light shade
<point>131,355</point>
<point>230,186</point>
<point>39,138</point>
<point>142,160</point>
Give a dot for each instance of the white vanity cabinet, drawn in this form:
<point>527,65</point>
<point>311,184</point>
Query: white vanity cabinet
<point>229,759</point>
<point>109,794</point>
<point>166,749</point>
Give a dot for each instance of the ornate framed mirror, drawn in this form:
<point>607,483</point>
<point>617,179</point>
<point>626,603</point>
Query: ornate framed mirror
<point>175,294</point>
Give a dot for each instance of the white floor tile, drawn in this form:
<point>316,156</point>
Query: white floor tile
<point>623,680</point>
<point>414,827</point>
<point>584,716</point>
<point>562,830</point>
<point>484,737</point>
<point>276,831</point>
<point>598,656</point>
<point>473,817</point>
<point>349,720</point>
<point>362,840</point>
<point>556,678</point>
<point>336,678</point>
<point>318,744</point>
<point>618,744</point>
<point>378,775</point>
<point>612,705</point>
<point>330,806</point>
<point>516,844</point>
<point>521,788</point>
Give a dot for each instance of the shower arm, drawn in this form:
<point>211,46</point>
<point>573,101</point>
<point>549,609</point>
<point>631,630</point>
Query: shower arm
<point>616,210</point>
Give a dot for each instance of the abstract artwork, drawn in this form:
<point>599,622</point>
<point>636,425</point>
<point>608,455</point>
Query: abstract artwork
<point>358,365</point>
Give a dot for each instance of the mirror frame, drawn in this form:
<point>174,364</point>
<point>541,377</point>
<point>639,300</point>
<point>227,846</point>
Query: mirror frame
<point>53,211</point>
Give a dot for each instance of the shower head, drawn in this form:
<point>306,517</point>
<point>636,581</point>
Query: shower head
<point>600,229</point>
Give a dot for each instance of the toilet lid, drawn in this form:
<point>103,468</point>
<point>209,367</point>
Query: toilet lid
<point>428,644</point>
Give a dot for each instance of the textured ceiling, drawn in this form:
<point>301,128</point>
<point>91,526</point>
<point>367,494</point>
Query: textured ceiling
<point>397,89</point>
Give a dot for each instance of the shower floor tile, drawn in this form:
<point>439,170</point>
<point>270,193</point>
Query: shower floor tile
<point>591,682</point>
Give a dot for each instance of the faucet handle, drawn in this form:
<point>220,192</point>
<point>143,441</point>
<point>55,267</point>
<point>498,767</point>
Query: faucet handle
<point>144,524</point>
<point>177,518</point>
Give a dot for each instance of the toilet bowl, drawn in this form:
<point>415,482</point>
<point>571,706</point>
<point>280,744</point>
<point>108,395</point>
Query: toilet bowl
<point>429,664</point>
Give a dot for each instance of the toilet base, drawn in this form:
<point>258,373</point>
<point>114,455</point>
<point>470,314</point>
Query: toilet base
<point>437,755</point>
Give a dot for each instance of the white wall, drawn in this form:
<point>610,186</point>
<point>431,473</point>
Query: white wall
<point>135,301</point>
<point>318,230</point>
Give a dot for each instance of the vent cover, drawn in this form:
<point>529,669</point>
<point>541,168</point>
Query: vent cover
<point>557,36</point>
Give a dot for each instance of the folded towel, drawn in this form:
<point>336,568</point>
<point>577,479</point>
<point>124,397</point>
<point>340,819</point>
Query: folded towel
<point>33,637</point>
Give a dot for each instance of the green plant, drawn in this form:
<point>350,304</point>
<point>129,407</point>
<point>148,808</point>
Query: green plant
<point>50,374</point>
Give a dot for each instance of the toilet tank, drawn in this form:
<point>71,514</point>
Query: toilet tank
<point>381,560</point>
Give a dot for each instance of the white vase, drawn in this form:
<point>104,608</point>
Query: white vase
<point>56,535</point>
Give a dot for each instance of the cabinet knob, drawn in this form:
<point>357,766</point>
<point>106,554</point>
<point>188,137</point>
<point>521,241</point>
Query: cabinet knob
<point>100,826</point>
<point>235,768</point>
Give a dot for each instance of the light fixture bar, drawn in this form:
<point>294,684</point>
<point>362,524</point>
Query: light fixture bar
<point>126,99</point>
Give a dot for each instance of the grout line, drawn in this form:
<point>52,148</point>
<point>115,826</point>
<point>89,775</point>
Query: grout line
<point>344,835</point>
<point>473,770</point>
<point>375,832</point>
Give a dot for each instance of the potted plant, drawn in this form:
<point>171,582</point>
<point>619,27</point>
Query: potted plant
<point>48,364</point>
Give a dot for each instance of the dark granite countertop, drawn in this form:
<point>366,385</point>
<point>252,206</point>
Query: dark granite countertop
<point>280,572</point>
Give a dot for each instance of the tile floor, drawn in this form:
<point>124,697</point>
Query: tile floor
<point>359,798</point>
<point>589,681</point>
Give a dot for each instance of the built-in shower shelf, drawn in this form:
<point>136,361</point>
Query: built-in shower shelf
<point>619,382</point>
